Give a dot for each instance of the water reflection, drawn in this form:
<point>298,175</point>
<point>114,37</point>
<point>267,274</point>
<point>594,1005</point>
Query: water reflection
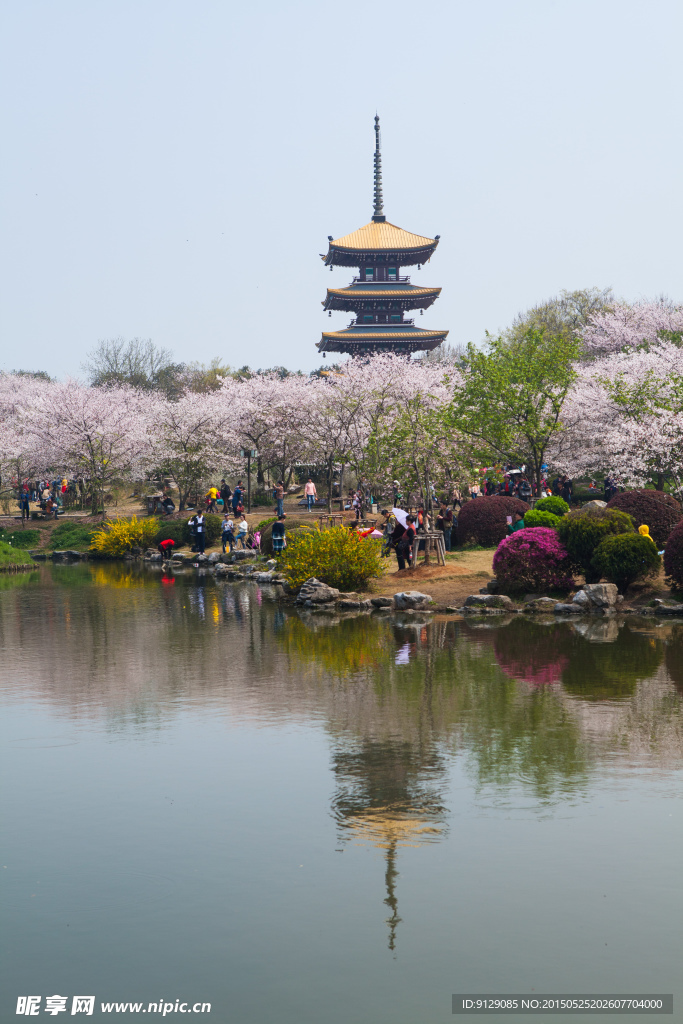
<point>389,795</point>
<point>526,705</point>
<point>583,656</point>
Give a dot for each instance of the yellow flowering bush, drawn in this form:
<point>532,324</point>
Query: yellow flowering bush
<point>338,557</point>
<point>118,536</point>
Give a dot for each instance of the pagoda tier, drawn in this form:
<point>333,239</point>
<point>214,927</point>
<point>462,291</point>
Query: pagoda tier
<point>361,339</point>
<point>379,295</point>
<point>380,242</point>
<point>396,297</point>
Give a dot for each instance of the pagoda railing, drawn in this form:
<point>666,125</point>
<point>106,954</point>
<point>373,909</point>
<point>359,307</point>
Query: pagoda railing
<point>383,323</point>
<point>389,280</point>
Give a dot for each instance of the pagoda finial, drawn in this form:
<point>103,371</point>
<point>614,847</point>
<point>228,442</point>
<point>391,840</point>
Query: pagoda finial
<point>378,214</point>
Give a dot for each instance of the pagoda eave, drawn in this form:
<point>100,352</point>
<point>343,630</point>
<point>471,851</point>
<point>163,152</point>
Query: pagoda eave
<point>364,341</point>
<point>359,298</point>
<point>338,257</point>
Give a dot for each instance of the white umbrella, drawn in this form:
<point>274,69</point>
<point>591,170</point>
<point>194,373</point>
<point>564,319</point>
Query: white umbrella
<point>401,516</point>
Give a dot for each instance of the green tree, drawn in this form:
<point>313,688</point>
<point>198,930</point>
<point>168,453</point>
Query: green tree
<point>566,313</point>
<point>510,403</point>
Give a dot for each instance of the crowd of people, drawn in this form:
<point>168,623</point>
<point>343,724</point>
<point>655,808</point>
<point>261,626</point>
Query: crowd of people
<point>47,495</point>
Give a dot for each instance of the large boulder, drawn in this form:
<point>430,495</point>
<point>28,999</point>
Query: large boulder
<point>411,599</point>
<point>478,601</point>
<point>595,503</point>
<point>541,606</point>
<point>382,602</point>
<point>601,595</point>
<point>314,592</point>
<point>663,608</point>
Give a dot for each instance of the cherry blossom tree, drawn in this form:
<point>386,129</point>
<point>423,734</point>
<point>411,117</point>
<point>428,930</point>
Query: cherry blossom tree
<point>399,430</point>
<point>270,413</point>
<point>192,437</point>
<point>625,327</point>
<point>624,416</point>
<point>21,455</point>
<point>99,433</point>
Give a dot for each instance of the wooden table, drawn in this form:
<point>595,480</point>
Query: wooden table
<point>332,518</point>
<point>433,542</point>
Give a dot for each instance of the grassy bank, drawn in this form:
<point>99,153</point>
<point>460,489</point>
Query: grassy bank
<point>13,559</point>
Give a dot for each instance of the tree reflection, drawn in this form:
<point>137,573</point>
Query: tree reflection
<point>583,656</point>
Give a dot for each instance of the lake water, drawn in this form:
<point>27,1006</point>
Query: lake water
<point>209,798</point>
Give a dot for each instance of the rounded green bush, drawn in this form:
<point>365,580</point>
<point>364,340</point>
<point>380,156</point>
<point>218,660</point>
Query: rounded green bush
<point>212,530</point>
<point>173,530</point>
<point>625,558</point>
<point>536,517</point>
<point>582,530</point>
<point>660,511</point>
<point>482,520</point>
<point>558,506</point>
<point>673,558</point>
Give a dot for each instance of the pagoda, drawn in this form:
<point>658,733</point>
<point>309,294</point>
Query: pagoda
<point>380,296</point>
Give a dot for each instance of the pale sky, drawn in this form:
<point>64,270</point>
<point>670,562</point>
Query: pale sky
<point>172,170</point>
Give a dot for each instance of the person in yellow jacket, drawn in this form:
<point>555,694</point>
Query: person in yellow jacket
<point>644,531</point>
<point>211,496</point>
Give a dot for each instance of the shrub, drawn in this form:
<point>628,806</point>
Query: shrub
<point>660,511</point>
<point>10,556</point>
<point>582,530</point>
<point>625,558</point>
<point>293,524</point>
<point>173,529</point>
<point>262,500</point>
<point>555,504</point>
<point>542,518</point>
<point>265,522</point>
<point>673,558</point>
<point>338,557</point>
<point>532,559</point>
<point>21,539</point>
<point>212,530</point>
<point>115,538</point>
<point>71,535</point>
<point>482,520</point>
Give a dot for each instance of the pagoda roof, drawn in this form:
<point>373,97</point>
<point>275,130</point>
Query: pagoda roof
<point>384,290</point>
<point>384,239</point>
<point>381,235</point>
<point>380,336</point>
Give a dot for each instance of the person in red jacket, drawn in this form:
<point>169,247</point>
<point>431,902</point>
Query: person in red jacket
<point>165,547</point>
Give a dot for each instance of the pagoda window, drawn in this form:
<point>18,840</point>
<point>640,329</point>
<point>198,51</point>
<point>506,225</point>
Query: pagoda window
<point>368,319</point>
<point>369,273</point>
<point>391,273</point>
<point>395,318</point>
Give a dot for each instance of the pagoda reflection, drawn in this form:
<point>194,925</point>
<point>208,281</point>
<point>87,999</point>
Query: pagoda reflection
<point>389,795</point>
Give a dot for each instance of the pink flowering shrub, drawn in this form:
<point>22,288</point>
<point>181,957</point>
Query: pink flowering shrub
<point>533,559</point>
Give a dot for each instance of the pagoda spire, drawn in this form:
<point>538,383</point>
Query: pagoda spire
<point>378,213</point>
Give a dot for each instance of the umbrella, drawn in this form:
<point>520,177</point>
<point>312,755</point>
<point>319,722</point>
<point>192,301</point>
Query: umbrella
<point>511,472</point>
<point>401,516</point>
<point>376,533</point>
